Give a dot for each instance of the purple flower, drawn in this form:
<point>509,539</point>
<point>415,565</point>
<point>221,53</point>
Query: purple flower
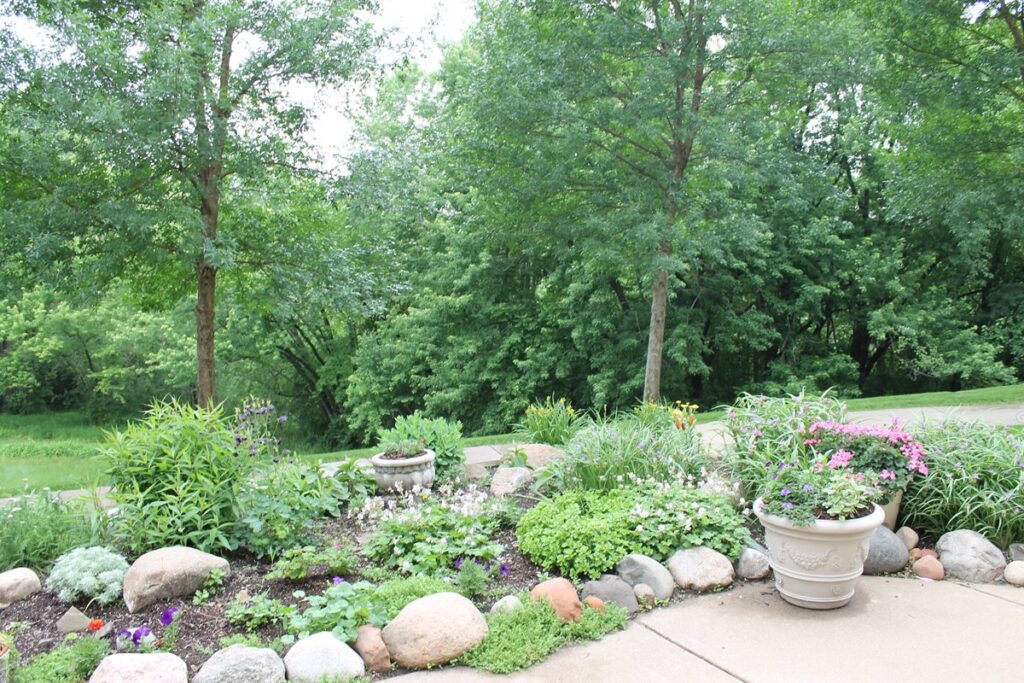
<point>808,487</point>
<point>124,633</point>
<point>504,570</point>
<point>141,633</point>
<point>338,580</point>
<point>283,418</point>
<point>785,492</point>
<point>458,563</point>
<point>787,505</point>
<point>167,618</point>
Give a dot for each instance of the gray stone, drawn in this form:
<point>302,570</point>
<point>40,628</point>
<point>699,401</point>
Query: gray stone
<point>752,565</point>
<point>1014,573</point>
<point>434,630</point>
<point>754,545</point>
<point>158,667</point>
<point>508,480</point>
<point>886,553</point>
<point>636,568</point>
<point>242,664</point>
<point>73,621</point>
<point>701,569</point>
<point>322,656</point>
<point>506,604</point>
<point>18,584</point>
<point>538,454</point>
<point>645,595</point>
<point>612,589</point>
<point>969,556</point>
<point>168,573</point>
<point>908,536</point>
<point>1017,551</point>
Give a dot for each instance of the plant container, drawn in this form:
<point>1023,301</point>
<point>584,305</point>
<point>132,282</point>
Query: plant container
<point>402,474</point>
<point>817,566</point>
<point>892,510</point>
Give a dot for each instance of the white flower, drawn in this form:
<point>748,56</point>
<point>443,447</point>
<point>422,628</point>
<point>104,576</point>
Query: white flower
<point>639,527</point>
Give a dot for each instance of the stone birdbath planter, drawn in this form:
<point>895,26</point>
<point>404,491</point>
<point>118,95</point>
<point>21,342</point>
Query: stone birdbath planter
<point>817,566</point>
<point>402,466</point>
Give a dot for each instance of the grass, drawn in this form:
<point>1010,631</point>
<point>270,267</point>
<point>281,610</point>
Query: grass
<point>1013,393</point>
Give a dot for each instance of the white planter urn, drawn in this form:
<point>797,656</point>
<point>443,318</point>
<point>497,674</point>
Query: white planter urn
<point>817,566</point>
<point>402,474</point>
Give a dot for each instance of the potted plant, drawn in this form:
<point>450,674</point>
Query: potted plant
<point>888,455</point>
<point>402,465</point>
<point>817,522</point>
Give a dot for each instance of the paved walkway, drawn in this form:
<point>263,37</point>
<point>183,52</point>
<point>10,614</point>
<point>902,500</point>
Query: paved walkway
<point>894,629</point>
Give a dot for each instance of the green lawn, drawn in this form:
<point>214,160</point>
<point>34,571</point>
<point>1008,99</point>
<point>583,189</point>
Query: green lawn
<point>1013,393</point>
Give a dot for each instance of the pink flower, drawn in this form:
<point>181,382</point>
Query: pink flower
<point>840,458</point>
<point>888,474</point>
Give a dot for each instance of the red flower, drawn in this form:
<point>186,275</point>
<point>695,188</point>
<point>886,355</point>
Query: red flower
<point>95,625</point>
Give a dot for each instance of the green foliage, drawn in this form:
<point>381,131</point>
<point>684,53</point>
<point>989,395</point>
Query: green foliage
<point>803,495</point>
<point>472,578</point>
<point>438,434</point>
<point>211,585</point>
<point>258,611</point>
<point>975,481</point>
<point>72,662</point>
<point>38,528</point>
<point>624,451</point>
<point>406,449</point>
<point>301,563</point>
<point>341,609</point>
<point>394,594</point>
<point>520,638</point>
<point>551,422</point>
<point>178,479</point>
<point>96,573</point>
<point>585,533</point>
<point>251,640</point>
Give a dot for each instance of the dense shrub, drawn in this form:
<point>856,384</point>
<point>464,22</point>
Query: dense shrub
<point>975,481</point>
<point>37,528</point>
<point>439,435</point>
<point>604,455</point>
<point>584,533</point>
<point>95,573</point>
<point>551,422</point>
<point>177,477</point>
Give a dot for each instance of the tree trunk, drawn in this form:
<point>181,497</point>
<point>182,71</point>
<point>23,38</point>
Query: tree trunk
<point>205,327</point>
<point>656,336</point>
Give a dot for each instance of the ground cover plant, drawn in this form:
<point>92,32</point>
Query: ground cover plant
<point>975,481</point>
<point>71,662</point>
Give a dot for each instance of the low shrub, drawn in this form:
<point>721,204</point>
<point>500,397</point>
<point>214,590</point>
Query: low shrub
<point>302,563</point>
<point>341,609</point>
<point>71,662</point>
<point>439,435</point>
<point>258,611</point>
<point>975,481</point>
<point>96,573</point>
<point>393,595</point>
<point>38,528</point>
<point>551,422</point>
<point>584,533</point>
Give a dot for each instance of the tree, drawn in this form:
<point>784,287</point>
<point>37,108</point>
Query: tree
<point>142,121</point>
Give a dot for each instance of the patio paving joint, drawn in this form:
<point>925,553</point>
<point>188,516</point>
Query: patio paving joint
<point>694,653</point>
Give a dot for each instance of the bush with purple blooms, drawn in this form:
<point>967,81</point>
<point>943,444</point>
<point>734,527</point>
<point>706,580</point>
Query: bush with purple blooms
<point>805,494</point>
<point>256,428</point>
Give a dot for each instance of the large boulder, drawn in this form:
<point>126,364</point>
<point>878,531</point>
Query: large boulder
<point>886,553</point>
<point>434,630</point>
<point>242,664</point>
<point>561,594</point>
<point>370,646</point>
<point>752,565</point>
<point>168,573</point>
<point>636,568</point>
<point>508,480</point>
<point>611,589</point>
<point>131,667</point>
<point>321,657</point>
<point>18,584</point>
<point>701,569</point>
<point>969,556</point>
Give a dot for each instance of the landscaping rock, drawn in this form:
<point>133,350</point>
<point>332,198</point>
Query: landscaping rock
<point>539,454</point>
<point>886,553</point>
<point>370,646</point>
<point>18,584</point>
<point>1017,552</point>
<point>645,595</point>
<point>611,589</point>
<point>1014,573</point>
<point>507,604</point>
<point>168,573</point>
<point>73,621</point>
<point>970,556</point>
<point>508,480</point>
<point>594,602</point>
<point>929,567</point>
<point>752,565</point>
<point>433,630</point>
<point>917,553</point>
<point>322,656</point>
<point>242,664</point>
<point>636,568</point>
<point>908,536</point>
<point>701,569</point>
<point>158,667</point>
<point>562,596</point>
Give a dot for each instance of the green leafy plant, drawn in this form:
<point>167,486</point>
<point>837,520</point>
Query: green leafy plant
<point>301,563</point>
<point>38,528</point>
<point>584,533</point>
<point>472,578</point>
<point>805,494</point>
<point>96,573</point>
<point>352,483</point>
<point>975,481</point>
<point>394,594</point>
<point>439,435</point>
<point>551,422</point>
<point>211,585</point>
<point>178,476</point>
<point>250,640</point>
<point>341,609</point>
<point>406,448</point>
<point>258,611</point>
<point>71,662</point>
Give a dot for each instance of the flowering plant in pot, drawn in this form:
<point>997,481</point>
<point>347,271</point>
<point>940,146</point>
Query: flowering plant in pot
<point>403,465</point>
<point>818,522</point>
<point>889,455</point>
